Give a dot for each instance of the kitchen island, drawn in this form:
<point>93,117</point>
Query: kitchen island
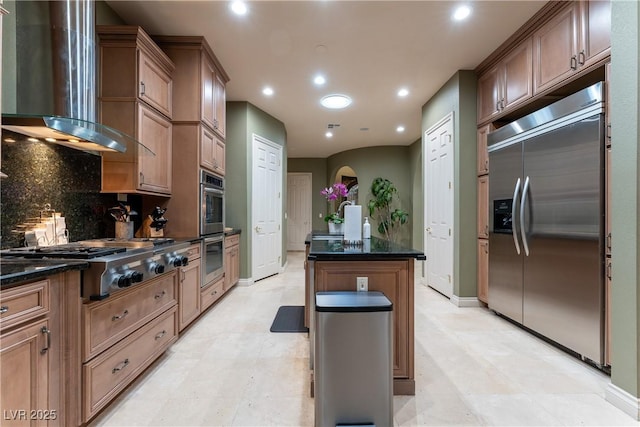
<point>332,265</point>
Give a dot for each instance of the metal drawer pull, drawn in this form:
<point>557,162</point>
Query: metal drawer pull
<point>581,57</point>
<point>573,63</point>
<point>160,295</point>
<point>122,316</point>
<point>4,309</point>
<point>121,366</point>
<point>46,331</point>
<point>161,334</point>
<point>214,292</point>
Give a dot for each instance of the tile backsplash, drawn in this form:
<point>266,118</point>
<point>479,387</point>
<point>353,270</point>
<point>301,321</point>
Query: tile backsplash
<point>67,179</point>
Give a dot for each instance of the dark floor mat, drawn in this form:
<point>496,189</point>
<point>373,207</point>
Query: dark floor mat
<point>289,318</point>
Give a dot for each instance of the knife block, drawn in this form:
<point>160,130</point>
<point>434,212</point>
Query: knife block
<point>146,230</point>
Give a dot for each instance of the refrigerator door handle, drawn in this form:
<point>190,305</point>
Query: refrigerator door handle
<point>514,230</point>
<point>523,231</point>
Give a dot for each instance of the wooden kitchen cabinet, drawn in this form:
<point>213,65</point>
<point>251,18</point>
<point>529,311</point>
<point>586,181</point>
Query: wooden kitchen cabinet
<point>212,151</point>
<point>211,293</point>
<point>199,82</point>
<point>231,261</point>
<point>189,288</point>
<point>483,154</point>
<point>577,37</point>
<point>607,313</point>
<point>483,207</point>
<point>483,270</point>
<point>40,352</point>
<point>507,84</point>
<point>135,96</point>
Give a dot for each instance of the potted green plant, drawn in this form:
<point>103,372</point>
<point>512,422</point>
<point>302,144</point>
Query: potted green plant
<point>331,194</point>
<point>381,209</point>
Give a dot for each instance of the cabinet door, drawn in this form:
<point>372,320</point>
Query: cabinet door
<point>208,93</point>
<point>607,205</point>
<point>189,293</point>
<point>24,375</point>
<point>555,47</point>
<point>220,101</point>
<point>207,148</point>
<point>483,270</point>
<point>235,265</point>
<point>488,95</point>
<point>154,171</point>
<point>483,155</point>
<point>228,269</point>
<point>154,86</point>
<point>518,75</point>
<point>607,313</point>
<point>219,160</point>
<point>483,207</point>
<point>596,31</point>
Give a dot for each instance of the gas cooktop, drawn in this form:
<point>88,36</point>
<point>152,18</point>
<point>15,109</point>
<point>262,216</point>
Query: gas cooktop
<point>138,242</point>
<point>68,251</point>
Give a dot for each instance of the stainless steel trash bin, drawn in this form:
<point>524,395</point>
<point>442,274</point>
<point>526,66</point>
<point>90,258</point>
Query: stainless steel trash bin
<point>353,359</point>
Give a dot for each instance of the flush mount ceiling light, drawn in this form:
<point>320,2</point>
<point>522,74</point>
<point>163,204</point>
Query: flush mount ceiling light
<point>335,101</point>
<point>461,13</point>
<point>403,92</point>
<point>328,134</point>
<point>239,7</point>
<point>400,128</point>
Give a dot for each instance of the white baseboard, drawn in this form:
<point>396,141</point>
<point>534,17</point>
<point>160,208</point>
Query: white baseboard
<point>623,400</point>
<point>465,301</point>
<point>245,282</point>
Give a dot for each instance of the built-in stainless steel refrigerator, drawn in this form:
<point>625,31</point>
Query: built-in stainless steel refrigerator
<point>546,209</point>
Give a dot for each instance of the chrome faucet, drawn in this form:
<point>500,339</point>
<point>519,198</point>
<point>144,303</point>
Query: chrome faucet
<point>346,202</point>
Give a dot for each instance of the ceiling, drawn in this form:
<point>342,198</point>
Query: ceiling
<point>365,49</point>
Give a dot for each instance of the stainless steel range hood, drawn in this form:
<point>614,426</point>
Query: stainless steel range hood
<point>49,55</point>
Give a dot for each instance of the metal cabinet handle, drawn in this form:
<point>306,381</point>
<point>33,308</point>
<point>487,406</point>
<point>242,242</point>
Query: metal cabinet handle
<point>497,105</point>
<point>486,165</point>
<point>121,316</point>
<point>573,63</point>
<point>609,270</point>
<point>141,178</point>
<point>161,334</point>
<point>486,229</point>
<point>214,292</point>
<point>514,228</point>
<point>485,246</point>
<point>523,232</point>
<point>502,104</point>
<point>142,89</point>
<point>47,332</point>
<point>160,295</point>
<point>4,309</point>
<point>121,366</point>
<point>581,57</point>
<point>609,240</point>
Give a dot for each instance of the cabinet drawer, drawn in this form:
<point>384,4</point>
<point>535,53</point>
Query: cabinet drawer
<point>211,294</point>
<point>106,375</point>
<point>232,240</point>
<point>194,252</point>
<point>23,303</point>
<point>106,322</point>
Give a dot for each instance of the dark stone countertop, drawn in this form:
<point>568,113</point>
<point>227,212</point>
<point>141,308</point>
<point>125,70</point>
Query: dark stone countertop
<point>232,232</point>
<point>14,270</point>
<point>370,249</point>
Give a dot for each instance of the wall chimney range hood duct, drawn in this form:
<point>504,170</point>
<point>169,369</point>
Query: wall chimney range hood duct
<point>54,67</point>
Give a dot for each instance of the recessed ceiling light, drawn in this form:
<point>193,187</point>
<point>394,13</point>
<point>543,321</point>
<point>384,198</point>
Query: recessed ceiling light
<point>8,139</point>
<point>267,91</point>
<point>335,101</point>
<point>319,80</point>
<point>239,7</point>
<point>32,139</point>
<point>403,92</point>
<point>328,134</point>
<point>400,128</point>
<point>461,13</point>
<point>50,139</point>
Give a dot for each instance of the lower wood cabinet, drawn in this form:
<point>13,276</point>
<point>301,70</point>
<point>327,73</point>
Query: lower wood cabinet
<point>231,261</point>
<point>211,293</point>
<point>483,270</point>
<point>189,279</point>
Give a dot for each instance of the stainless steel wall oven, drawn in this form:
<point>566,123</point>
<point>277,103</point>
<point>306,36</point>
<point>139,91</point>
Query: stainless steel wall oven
<point>213,266</point>
<point>212,203</point>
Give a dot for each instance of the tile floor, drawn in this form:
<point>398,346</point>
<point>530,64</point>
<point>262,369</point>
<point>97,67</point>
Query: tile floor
<point>472,368</point>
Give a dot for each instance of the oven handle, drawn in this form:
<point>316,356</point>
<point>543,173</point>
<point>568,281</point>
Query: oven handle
<point>214,239</point>
<point>213,190</point>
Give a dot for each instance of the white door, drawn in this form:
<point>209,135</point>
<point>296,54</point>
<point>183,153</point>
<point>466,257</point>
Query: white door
<point>298,210</point>
<point>438,201</point>
<point>266,208</point>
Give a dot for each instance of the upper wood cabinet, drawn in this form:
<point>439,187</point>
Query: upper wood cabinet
<point>507,84</point>
<point>212,151</point>
<point>135,94</point>
<point>483,155</point>
<point>199,82</point>
<point>577,37</point>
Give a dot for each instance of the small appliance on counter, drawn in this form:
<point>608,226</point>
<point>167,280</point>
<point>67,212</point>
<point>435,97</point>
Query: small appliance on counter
<point>153,225</point>
<point>49,229</point>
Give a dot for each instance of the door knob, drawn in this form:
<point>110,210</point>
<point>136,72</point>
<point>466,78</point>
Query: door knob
<point>429,230</point>
<point>258,229</point>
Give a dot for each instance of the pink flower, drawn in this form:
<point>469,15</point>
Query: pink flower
<point>336,190</point>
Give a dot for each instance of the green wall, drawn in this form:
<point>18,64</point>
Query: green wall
<point>244,120</point>
<point>459,95</point>
<point>625,255</point>
<point>317,167</point>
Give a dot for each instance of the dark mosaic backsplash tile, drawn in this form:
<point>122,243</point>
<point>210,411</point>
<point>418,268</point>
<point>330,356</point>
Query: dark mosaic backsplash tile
<point>67,179</point>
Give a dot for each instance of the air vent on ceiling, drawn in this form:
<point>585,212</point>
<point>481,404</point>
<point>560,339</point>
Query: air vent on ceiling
<point>333,125</point>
